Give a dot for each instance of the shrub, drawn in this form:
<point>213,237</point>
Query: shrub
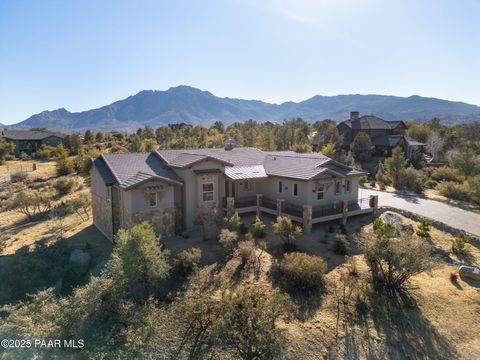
<point>341,245</point>
<point>64,186</point>
<point>446,173</point>
<point>18,176</point>
<point>227,238</point>
<point>187,260</point>
<point>453,190</point>
<point>411,179</point>
<point>233,222</point>
<point>246,250</point>
<point>459,243</point>
<point>423,228</point>
<point>259,229</point>
<point>64,166</point>
<point>304,271</point>
<point>431,184</point>
<point>24,156</point>
<point>46,152</point>
<point>285,229</point>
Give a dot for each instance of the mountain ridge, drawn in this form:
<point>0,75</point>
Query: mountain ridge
<point>191,105</point>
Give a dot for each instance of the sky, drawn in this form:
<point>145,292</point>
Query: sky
<point>85,54</point>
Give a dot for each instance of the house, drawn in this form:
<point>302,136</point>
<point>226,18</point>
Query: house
<point>29,141</point>
<point>166,187</point>
<point>385,135</point>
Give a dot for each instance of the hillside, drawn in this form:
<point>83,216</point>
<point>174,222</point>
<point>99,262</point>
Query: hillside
<point>191,105</point>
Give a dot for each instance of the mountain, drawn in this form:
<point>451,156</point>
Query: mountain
<point>194,106</point>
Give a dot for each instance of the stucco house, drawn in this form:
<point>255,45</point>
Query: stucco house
<point>29,141</point>
<point>166,187</point>
<point>385,135</point>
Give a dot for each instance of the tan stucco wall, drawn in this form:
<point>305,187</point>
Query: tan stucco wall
<point>101,206</point>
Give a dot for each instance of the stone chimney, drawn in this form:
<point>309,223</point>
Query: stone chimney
<point>230,144</point>
<point>353,115</point>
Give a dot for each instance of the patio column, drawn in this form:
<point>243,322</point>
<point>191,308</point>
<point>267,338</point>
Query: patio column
<point>307,219</point>
<point>374,202</point>
<point>230,206</point>
<point>344,212</point>
<point>259,203</point>
<point>280,203</point>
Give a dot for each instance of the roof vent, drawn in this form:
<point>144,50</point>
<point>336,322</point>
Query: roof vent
<point>230,144</point>
<point>354,115</point>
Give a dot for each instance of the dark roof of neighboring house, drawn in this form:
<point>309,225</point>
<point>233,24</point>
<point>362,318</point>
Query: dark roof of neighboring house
<point>130,169</point>
<point>29,134</point>
<point>369,122</point>
<point>394,140</point>
<point>134,168</point>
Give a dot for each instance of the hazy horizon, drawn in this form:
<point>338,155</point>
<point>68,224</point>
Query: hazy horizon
<point>84,55</point>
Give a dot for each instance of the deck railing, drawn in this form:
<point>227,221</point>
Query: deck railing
<point>325,210</point>
<point>293,209</point>
<point>268,203</point>
<point>245,202</point>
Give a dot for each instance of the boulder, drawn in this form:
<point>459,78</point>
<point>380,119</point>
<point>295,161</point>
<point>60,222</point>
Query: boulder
<point>469,272</point>
<point>397,221</point>
<point>79,261</point>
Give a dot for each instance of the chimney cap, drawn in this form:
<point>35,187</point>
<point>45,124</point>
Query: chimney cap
<point>354,115</point>
<point>230,144</point>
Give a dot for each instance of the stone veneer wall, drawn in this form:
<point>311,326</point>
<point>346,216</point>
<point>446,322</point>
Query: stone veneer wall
<point>102,216</point>
<point>163,220</point>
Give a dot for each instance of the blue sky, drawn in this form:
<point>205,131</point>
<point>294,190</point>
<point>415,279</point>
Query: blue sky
<point>85,54</point>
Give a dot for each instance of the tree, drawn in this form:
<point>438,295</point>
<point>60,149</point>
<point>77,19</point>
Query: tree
<point>259,228</point>
<point>99,136</point>
<point>138,260</point>
<point>434,143</point>
<point>395,166</point>
<point>328,150</point>
<point>88,137</point>
<point>219,126</point>
<point>467,162</point>
<point>64,165</point>
<point>392,262</point>
<point>76,144</point>
<point>32,203</point>
<point>423,227</point>
<point>6,148</point>
<point>362,147</point>
<point>285,229</point>
<point>459,243</point>
<point>248,322</point>
<point>327,133</point>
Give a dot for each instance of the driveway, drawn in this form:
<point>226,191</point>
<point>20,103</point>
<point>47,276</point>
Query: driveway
<point>436,210</point>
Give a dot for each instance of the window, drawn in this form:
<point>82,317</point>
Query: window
<point>338,187</point>
<point>109,193</point>
<point>246,185</point>
<point>295,189</point>
<point>207,192</point>
<point>280,186</point>
<point>152,199</point>
<point>347,186</point>
<point>320,191</point>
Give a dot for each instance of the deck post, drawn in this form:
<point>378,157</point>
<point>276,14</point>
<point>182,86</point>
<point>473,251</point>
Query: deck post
<point>230,206</point>
<point>374,202</point>
<point>259,203</point>
<point>307,219</point>
<point>280,203</point>
<point>344,212</point>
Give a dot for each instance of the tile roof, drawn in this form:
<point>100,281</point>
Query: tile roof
<point>105,173</point>
<point>29,134</point>
<point>133,168</point>
<point>394,140</point>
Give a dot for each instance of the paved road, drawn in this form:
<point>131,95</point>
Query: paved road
<point>436,210</point>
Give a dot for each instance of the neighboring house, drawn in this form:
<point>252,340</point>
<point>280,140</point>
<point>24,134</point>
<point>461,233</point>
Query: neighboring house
<point>385,135</point>
<point>166,187</point>
<point>29,141</point>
